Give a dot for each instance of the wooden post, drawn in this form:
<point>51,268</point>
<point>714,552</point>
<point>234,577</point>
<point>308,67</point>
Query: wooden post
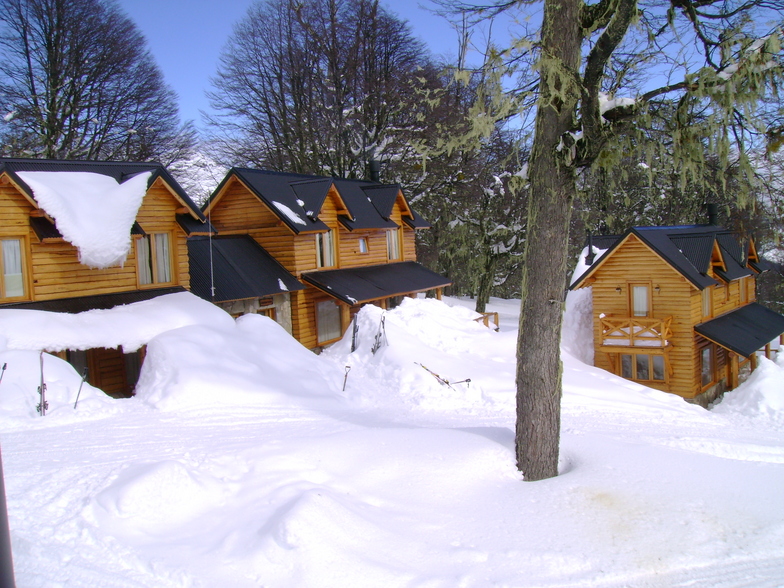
<point>439,293</point>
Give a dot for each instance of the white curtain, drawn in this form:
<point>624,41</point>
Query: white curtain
<point>640,295</point>
<point>12,268</point>
<point>163,257</point>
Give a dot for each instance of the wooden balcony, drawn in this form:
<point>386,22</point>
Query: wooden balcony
<point>635,331</point>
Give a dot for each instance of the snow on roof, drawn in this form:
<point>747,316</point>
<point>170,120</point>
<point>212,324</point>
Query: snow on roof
<point>92,211</point>
<point>129,326</point>
<point>290,214</point>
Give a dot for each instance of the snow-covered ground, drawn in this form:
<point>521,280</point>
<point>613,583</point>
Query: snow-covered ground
<point>242,461</point>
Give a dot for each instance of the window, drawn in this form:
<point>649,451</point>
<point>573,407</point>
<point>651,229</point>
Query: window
<point>363,245</point>
<point>707,301</point>
<point>12,284</point>
<point>153,253</point>
<point>325,249</point>
<point>642,367</point>
<point>707,366</point>
<point>641,300</point>
<point>393,244</point>
<point>327,321</point>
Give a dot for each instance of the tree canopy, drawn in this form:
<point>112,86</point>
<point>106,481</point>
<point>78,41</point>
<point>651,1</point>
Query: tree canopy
<point>77,82</point>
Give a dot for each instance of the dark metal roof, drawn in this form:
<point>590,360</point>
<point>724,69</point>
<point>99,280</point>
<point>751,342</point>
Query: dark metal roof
<point>241,269</point>
<point>745,329</point>
<point>119,170</point>
<point>297,199</point>
<point>602,241</point>
<point>362,284</point>
<point>99,301</point>
<point>382,197</point>
<point>688,249</point>
<point>191,226</point>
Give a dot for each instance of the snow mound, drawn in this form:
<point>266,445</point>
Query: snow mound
<point>19,395</point>
<point>153,499</point>
<point>425,354</point>
<point>761,395</point>
<point>254,361</point>
<point>92,211</point>
<point>129,326</point>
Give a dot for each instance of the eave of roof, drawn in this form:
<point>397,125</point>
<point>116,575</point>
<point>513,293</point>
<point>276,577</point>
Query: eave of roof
<point>363,284</point>
<point>78,304</point>
<point>743,330</point>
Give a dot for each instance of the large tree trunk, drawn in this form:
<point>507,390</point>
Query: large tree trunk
<point>552,192</point>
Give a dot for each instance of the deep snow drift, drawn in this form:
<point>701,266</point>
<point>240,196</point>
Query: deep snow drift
<point>243,461</point>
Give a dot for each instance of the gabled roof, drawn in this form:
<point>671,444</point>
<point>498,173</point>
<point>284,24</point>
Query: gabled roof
<point>363,284</point>
<point>689,249</point>
<point>298,198</point>
<point>239,268</point>
<point>745,329</point>
<point>119,170</point>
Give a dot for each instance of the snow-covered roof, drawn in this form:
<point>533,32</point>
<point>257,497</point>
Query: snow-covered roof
<point>92,211</point>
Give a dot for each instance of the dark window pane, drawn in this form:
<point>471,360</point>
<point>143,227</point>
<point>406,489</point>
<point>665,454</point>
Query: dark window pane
<point>626,366</point>
<point>658,367</point>
<point>642,367</point>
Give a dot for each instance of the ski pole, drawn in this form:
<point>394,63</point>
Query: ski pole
<point>43,405</point>
<point>2,372</point>
<point>84,377</point>
<point>348,369</point>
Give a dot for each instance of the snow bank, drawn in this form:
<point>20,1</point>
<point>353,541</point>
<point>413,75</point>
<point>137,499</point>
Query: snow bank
<point>760,396</point>
<point>253,362</point>
<point>92,211</point>
<point>129,326</point>
<point>428,350</point>
<point>19,394</point>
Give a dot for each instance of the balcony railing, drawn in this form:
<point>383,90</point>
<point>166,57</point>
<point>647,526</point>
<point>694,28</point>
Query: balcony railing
<point>635,331</point>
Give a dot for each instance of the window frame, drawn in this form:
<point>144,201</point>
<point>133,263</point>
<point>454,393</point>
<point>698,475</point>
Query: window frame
<point>634,363</point>
<point>362,245</point>
<point>632,288</point>
<point>153,244</point>
<point>394,245</point>
<point>338,328</point>
<point>326,255</point>
<point>708,351</point>
<point>23,269</point>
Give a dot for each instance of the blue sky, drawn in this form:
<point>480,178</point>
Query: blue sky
<point>187,36</point>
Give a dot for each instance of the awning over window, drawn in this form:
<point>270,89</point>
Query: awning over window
<point>362,284</point>
<point>744,330</point>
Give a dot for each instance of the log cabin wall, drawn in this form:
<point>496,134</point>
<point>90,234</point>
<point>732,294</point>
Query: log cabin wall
<point>53,269</point>
<point>635,263</point>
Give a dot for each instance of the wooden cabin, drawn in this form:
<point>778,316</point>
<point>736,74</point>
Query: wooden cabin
<point>674,308</point>
<point>42,270</point>
<point>348,242</point>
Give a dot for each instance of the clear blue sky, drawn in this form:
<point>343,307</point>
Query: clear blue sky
<point>187,36</point>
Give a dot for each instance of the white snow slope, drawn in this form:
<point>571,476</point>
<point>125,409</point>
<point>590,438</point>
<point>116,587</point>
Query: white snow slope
<point>242,462</point>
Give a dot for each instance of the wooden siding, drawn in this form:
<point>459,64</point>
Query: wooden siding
<point>349,248</point>
<point>54,270</point>
<point>635,263</point>
<point>238,209</point>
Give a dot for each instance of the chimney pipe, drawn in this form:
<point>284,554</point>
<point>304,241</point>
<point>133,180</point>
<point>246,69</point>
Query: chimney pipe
<point>590,257</point>
<point>375,170</point>
<point>713,214</point>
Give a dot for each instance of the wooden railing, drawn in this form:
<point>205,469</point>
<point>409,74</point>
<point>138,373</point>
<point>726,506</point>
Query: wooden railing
<point>485,319</point>
<point>636,331</point>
